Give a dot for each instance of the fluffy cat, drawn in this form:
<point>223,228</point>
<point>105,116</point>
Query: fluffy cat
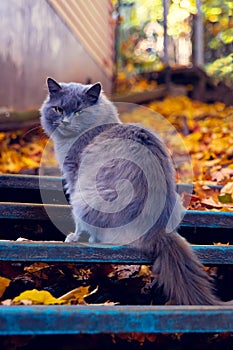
<point>120,180</point>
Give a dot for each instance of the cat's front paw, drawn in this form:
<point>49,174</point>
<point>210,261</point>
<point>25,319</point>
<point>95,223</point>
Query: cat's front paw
<point>72,237</point>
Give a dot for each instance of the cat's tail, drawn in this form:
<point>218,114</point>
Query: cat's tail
<point>181,275</point>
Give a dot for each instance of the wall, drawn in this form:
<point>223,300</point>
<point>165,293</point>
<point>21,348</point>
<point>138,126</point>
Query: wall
<point>36,43</point>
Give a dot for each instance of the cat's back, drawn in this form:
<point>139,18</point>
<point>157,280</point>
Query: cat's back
<point>134,132</point>
<point>125,152</point>
<point>122,140</point>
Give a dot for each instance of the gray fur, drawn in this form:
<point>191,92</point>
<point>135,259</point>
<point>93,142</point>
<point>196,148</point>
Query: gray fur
<point>121,184</point>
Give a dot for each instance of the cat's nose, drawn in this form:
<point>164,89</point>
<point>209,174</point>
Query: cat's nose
<point>65,121</point>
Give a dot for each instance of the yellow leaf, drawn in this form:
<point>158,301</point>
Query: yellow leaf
<point>37,297</point>
<point>36,267</point>
<point>144,271</point>
<point>77,294</point>
<point>4,283</point>
<point>228,189</point>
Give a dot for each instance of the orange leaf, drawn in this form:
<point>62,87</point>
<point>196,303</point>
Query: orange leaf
<point>4,283</point>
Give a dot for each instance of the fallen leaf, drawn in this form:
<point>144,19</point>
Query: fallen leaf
<point>144,271</point>
<point>36,267</point>
<point>222,244</point>
<point>77,294</point>
<point>225,198</point>
<point>227,189</point>
<point>23,302</point>
<point>4,283</point>
<point>6,302</point>
<point>37,297</point>
<point>210,203</point>
<point>124,271</point>
<point>223,174</point>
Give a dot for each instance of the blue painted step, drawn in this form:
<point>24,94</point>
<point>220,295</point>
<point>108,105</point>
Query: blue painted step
<point>92,253</point>
<point>76,319</point>
<point>49,184</point>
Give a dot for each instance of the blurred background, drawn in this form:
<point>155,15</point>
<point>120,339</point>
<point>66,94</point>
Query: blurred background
<point>112,41</point>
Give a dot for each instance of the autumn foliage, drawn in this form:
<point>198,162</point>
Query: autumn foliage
<point>205,130</point>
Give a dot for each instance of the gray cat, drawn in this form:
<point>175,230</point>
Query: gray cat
<point>121,184</point>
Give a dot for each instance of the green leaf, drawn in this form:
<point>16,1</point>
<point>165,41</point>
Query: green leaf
<point>225,198</point>
<point>227,36</point>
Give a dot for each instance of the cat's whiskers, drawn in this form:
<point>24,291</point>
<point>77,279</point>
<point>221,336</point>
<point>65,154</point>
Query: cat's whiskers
<point>38,127</point>
<point>56,123</point>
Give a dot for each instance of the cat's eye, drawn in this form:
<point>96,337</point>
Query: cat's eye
<point>58,109</point>
<point>77,113</point>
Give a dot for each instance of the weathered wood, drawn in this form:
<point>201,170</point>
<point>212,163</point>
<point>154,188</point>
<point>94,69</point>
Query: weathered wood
<point>54,319</point>
<point>141,96</point>
<point>30,211</point>
<point>31,189</point>
<point>89,319</point>
<point>32,182</point>
<point>54,183</point>
<point>93,253</point>
<point>11,120</point>
<point>210,219</point>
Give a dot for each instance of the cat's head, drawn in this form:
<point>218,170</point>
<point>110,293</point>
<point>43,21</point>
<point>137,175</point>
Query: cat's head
<point>72,108</point>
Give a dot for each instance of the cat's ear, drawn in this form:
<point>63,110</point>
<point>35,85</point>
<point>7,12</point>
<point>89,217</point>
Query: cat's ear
<point>53,86</point>
<point>93,92</point>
